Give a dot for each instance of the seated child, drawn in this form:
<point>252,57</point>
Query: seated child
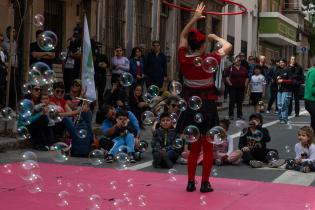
<point>224,153</point>
<point>123,136</point>
<point>253,143</point>
<point>163,150</point>
<point>304,160</point>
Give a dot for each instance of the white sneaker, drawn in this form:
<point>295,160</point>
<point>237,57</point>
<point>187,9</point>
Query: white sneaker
<point>267,112</point>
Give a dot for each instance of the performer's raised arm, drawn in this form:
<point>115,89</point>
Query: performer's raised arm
<point>197,16</point>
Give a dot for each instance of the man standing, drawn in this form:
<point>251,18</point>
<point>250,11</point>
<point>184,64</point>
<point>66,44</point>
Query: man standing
<point>156,66</point>
<point>37,54</point>
<point>284,81</point>
<point>297,77</point>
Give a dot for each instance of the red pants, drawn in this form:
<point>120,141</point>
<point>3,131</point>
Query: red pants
<point>207,161</point>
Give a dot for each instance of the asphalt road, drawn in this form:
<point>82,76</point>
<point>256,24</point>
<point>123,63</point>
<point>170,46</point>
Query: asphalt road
<point>283,136</point>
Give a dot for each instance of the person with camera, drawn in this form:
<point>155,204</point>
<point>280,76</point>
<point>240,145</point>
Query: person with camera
<point>122,128</point>
<point>253,143</point>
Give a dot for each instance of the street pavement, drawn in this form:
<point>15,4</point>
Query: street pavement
<point>282,138</point>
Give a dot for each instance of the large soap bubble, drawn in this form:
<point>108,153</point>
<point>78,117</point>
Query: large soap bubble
<point>47,40</point>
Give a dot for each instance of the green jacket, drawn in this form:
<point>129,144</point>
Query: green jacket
<point>309,93</point>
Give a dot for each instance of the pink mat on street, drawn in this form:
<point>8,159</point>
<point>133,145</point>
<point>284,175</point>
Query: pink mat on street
<point>159,189</point>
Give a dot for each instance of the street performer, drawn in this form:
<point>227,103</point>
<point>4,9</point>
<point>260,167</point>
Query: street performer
<point>197,82</point>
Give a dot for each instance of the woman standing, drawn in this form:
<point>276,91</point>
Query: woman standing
<point>309,94</point>
<point>237,78</point>
<point>198,82</point>
<point>120,64</point>
<point>137,65</point>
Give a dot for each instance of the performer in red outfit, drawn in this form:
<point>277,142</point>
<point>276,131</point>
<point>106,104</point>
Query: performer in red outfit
<point>197,82</point>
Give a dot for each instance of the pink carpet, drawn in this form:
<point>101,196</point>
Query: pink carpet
<point>160,192</point>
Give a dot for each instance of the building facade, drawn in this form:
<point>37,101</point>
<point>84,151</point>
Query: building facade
<point>283,30</point>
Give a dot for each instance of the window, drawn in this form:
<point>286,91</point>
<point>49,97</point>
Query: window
<point>112,34</point>
<point>143,22</point>
<point>53,13</point>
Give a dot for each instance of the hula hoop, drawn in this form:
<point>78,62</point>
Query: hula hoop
<point>243,9</point>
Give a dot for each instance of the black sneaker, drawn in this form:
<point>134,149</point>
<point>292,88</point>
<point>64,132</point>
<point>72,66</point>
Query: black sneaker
<point>132,159</point>
<point>109,159</point>
<point>206,187</point>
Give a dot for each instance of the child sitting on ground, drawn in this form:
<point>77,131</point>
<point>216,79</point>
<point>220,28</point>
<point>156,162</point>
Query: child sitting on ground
<point>253,142</point>
<point>164,151</point>
<point>304,152</point>
<point>224,153</point>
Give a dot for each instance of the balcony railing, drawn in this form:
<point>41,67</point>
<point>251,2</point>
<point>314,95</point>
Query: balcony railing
<point>292,6</point>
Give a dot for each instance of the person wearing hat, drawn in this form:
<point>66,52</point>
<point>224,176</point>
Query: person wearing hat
<point>198,82</point>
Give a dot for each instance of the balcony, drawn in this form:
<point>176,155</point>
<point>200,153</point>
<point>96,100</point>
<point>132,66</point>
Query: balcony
<point>292,6</point>
<point>277,29</point>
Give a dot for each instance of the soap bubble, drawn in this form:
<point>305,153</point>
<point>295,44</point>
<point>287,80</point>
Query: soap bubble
<point>217,46</point>
<point>35,77</point>
<point>7,114</point>
<point>197,61</point>
<point>27,88</point>
<point>174,118</point>
<point>63,197</point>
<point>143,146</point>
<point>63,55</point>
<point>7,169</point>
<point>96,157</point>
<point>25,117</point>
<point>122,157</point>
<point>147,98</point>
<point>203,201</point>
<point>22,133</point>
<point>60,152</point>
<point>130,183</point>
<point>182,105</point>
<point>142,200</point>
<point>35,184</point>
<point>53,113</point>
<point>49,77</point>
<point>287,149</point>
<point>175,88</point>
<point>215,172</point>
<point>147,118</point>
<point>126,79</point>
<point>195,103</point>
<point>241,124</point>
<point>47,40</point>
<point>113,185</point>
<point>257,135</point>
<point>216,135</point>
<point>191,133</point>
<point>95,202</point>
<point>29,155</point>
<point>153,90</point>
<point>178,143</point>
<point>38,20</point>
<point>210,65</point>
<point>82,133</point>
<point>198,118</point>
<point>272,156</point>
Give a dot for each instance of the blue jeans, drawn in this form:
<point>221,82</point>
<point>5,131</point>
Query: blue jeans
<point>283,100</point>
<point>127,140</point>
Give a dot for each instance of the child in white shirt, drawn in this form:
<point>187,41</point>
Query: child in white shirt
<point>304,160</point>
<point>257,88</point>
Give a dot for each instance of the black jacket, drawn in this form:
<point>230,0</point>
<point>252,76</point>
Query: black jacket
<point>163,139</point>
<point>250,139</point>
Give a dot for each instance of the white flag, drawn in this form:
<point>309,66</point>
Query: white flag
<point>87,65</point>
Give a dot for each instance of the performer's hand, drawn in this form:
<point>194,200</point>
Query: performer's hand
<point>199,11</point>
